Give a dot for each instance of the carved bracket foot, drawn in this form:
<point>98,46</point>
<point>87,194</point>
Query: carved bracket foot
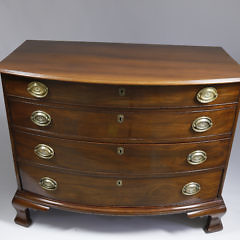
<point>214,224</point>
<point>214,214</point>
<point>22,207</point>
<point>23,216</point>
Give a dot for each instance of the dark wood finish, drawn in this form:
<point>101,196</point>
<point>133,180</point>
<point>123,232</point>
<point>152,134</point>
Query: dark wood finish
<point>112,63</point>
<point>161,83</point>
<point>138,125</point>
<point>23,201</point>
<point>108,95</point>
<point>214,214</point>
<point>214,224</point>
<point>103,191</point>
<point>189,208</point>
<point>23,215</point>
<point>22,207</point>
<point>138,159</point>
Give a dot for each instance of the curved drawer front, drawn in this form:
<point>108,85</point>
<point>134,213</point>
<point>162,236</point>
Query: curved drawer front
<point>111,124</point>
<point>120,96</point>
<point>120,158</point>
<point>112,191</point>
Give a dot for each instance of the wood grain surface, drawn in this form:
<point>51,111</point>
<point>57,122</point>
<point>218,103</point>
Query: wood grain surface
<point>137,159</point>
<point>138,125</point>
<point>108,95</point>
<point>115,63</point>
<point>103,191</point>
<point>158,107</point>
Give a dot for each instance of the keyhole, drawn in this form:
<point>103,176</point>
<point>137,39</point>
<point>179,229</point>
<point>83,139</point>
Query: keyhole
<point>121,91</point>
<point>120,118</point>
<point>119,183</point>
<point>120,150</point>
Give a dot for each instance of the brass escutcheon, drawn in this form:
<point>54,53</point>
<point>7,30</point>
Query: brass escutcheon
<point>120,118</point>
<point>121,92</point>
<point>119,183</point>
<point>120,150</point>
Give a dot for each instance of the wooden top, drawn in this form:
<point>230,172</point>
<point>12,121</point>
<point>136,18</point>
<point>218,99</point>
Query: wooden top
<point>117,63</point>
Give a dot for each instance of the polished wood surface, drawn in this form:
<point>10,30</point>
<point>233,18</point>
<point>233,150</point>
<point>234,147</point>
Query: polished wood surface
<point>23,214</point>
<point>103,191</point>
<point>154,89</point>
<point>108,95</point>
<point>214,214</point>
<point>22,207</point>
<point>114,63</point>
<point>35,201</point>
<point>214,209</point>
<point>137,159</point>
<point>138,125</point>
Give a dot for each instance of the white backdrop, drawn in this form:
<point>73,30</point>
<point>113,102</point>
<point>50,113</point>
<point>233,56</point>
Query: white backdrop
<point>189,22</point>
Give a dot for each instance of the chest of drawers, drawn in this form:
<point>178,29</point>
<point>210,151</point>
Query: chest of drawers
<point>120,129</point>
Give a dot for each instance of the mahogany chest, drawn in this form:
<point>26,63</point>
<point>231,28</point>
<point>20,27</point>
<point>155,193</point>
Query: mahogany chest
<point>120,129</point>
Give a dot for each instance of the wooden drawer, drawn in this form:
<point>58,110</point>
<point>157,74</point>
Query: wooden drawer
<point>138,125</point>
<point>133,159</point>
<point>103,191</point>
<point>110,95</point>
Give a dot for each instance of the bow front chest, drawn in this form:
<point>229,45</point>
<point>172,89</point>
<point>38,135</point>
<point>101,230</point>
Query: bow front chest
<point>120,129</point>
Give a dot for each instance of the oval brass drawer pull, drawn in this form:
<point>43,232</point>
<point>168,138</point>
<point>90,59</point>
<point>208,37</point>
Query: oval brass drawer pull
<point>44,151</point>
<point>119,183</point>
<point>197,157</point>
<point>120,150</point>
<point>191,188</point>
<point>37,89</point>
<point>48,184</point>
<point>207,95</point>
<point>202,124</point>
<point>41,118</point>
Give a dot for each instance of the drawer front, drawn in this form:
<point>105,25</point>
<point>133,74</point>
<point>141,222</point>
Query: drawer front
<point>120,158</point>
<point>106,191</point>
<point>120,96</point>
<point>134,125</point>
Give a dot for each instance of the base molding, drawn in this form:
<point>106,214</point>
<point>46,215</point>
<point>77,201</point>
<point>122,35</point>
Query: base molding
<point>214,209</point>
